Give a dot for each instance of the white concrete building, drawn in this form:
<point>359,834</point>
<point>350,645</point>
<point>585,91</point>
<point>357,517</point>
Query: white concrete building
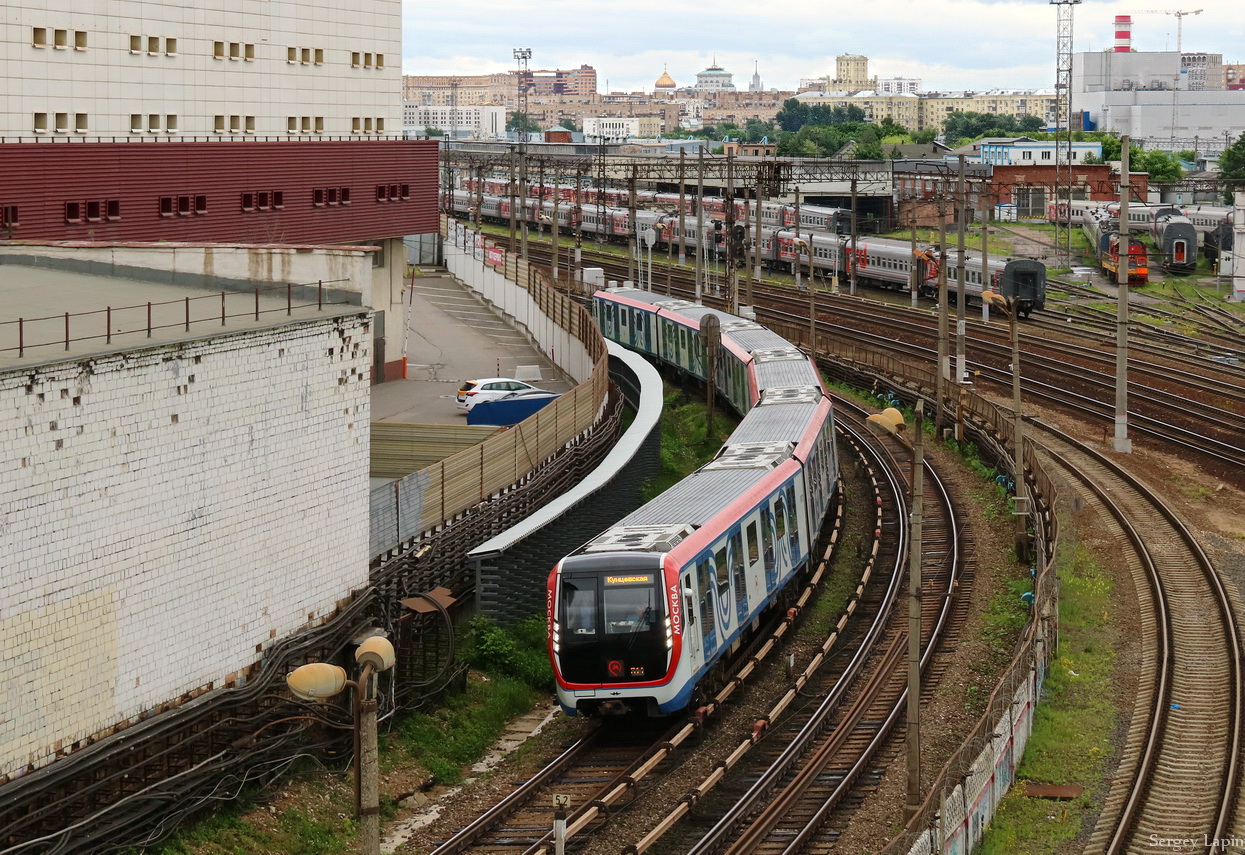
<point>1159,98</point>
<point>899,85</point>
<point>621,127</point>
<point>714,79</point>
<point>218,68</point>
<point>478,121</point>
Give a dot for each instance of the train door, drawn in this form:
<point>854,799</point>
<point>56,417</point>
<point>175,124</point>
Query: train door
<point>739,575</point>
<point>691,625</point>
<point>793,527</point>
<point>768,555</point>
<point>706,611</point>
<point>756,568</point>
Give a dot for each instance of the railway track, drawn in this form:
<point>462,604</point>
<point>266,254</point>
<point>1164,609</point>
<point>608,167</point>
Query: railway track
<point>1181,766</point>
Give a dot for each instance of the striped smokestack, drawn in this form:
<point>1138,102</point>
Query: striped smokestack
<point>1123,34</point>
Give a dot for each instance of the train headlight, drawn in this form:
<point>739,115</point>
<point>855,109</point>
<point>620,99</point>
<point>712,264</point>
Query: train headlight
<point>669,635</point>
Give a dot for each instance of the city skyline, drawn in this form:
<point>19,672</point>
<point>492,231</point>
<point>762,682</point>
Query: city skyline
<point>684,39</point>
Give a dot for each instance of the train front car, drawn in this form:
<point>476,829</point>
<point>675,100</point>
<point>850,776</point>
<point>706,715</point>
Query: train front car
<point>615,621</point>
<point>1024,279</point>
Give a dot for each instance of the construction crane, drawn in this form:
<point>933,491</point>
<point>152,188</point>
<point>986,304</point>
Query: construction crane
<point>1179,13</point>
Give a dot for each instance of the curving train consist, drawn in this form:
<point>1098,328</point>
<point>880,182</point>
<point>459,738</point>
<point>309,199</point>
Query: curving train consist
<point>641,617</point>
<point>878,262</point>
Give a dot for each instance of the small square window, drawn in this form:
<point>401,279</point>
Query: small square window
<point>136,44</point>
<point>382,193</point>
<point>291,124</point>
<point>113,210</point>
<point>406,191</point>
<point>278,199</point>
<point>380,60</point>
<point>250,52</point>
<point>367,60</point>
<point>183,206</point>
<point>291,55</point>
<point>39,36</point>
<point>218,50</point>
<point>60,38</point>
<point>250,124</point>
<point>345,195</point>
<point>263,200</point>
<point>367,125</point>
<point>235,124</point>
<point>235,50</point>
<point>93,211</point>
<point>41,123</point>
<point>170,123</point>
<point>306,56</point>
<point>8,216</point>
<point>201,204</point>
<point>317,197</point>
<point>380,125</point>
<point>218,122</point>
<point>395,192</point>
<point>73,212</point>
<point>62,122</point>
<point>306,125</point>
<point>354,59</point>
<point>355,125</point>
<point>170,47</point>
<point>248,201</point>
<point>319,56</point>
<point>153,123</point>
<point>153,45</point>
<point>166,206</point>
<point>319,124</point>
<point>136,123</point>
<point>333,196</point>
<point>79,39</point>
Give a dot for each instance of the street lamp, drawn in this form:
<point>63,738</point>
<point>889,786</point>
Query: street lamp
<point>890,421</point>
<point>1011,307</point>
<point>319,680</point>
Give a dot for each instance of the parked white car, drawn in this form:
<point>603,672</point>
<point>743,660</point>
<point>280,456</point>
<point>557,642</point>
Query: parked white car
<point>473,392</point>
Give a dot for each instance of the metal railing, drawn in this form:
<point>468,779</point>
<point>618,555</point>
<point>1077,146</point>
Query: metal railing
<point>145,318</point>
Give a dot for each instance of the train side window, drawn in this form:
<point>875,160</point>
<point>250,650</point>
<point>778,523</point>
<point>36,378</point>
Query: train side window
<point>780,518</point>
<point>767,538</point>
<point>722,571</point>
<point>689,613</point>
<point>754,551</point>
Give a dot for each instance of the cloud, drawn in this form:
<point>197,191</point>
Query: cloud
<point>950,44</point>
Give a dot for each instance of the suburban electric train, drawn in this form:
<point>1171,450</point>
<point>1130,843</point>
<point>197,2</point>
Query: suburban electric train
<point>878,262</point>
<point>642,616</point>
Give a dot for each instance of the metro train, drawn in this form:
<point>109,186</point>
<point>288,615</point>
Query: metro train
<point>879,262</point>
<point>642,617</point>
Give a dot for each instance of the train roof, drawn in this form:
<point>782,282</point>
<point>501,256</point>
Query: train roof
<point>701,496</point>
<point>783,414</point>
<point>784,366</point>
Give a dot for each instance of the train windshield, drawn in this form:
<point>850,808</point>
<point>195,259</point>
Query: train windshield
<point>630,608</point>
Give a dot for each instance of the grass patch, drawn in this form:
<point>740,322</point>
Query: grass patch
<point>458,734</point>
<point>687,441</point>
<point>1073,725</point>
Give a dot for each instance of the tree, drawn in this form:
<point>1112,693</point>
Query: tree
<point>1159,164</point>
<point>895,154</point>
<point>569,124</point>
<point>1030,124</point>
<point>925,136</point>
<point>1232,167</point>
<point>434,132</point>
<point>888,127</point>
<point>522,123</point>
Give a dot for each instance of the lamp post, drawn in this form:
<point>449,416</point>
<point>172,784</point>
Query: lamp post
<point>800,243</point>
<point>1009,305</point>
<point>318,680</point>
<point>890,421</point>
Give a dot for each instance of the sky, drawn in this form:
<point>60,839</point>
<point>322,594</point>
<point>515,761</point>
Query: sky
<point>949,44</point>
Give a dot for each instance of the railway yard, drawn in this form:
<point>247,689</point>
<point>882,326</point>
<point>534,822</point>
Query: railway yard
<point>805,751</point>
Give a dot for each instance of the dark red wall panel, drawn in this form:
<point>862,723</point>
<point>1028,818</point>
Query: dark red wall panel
<point>40,178</point>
